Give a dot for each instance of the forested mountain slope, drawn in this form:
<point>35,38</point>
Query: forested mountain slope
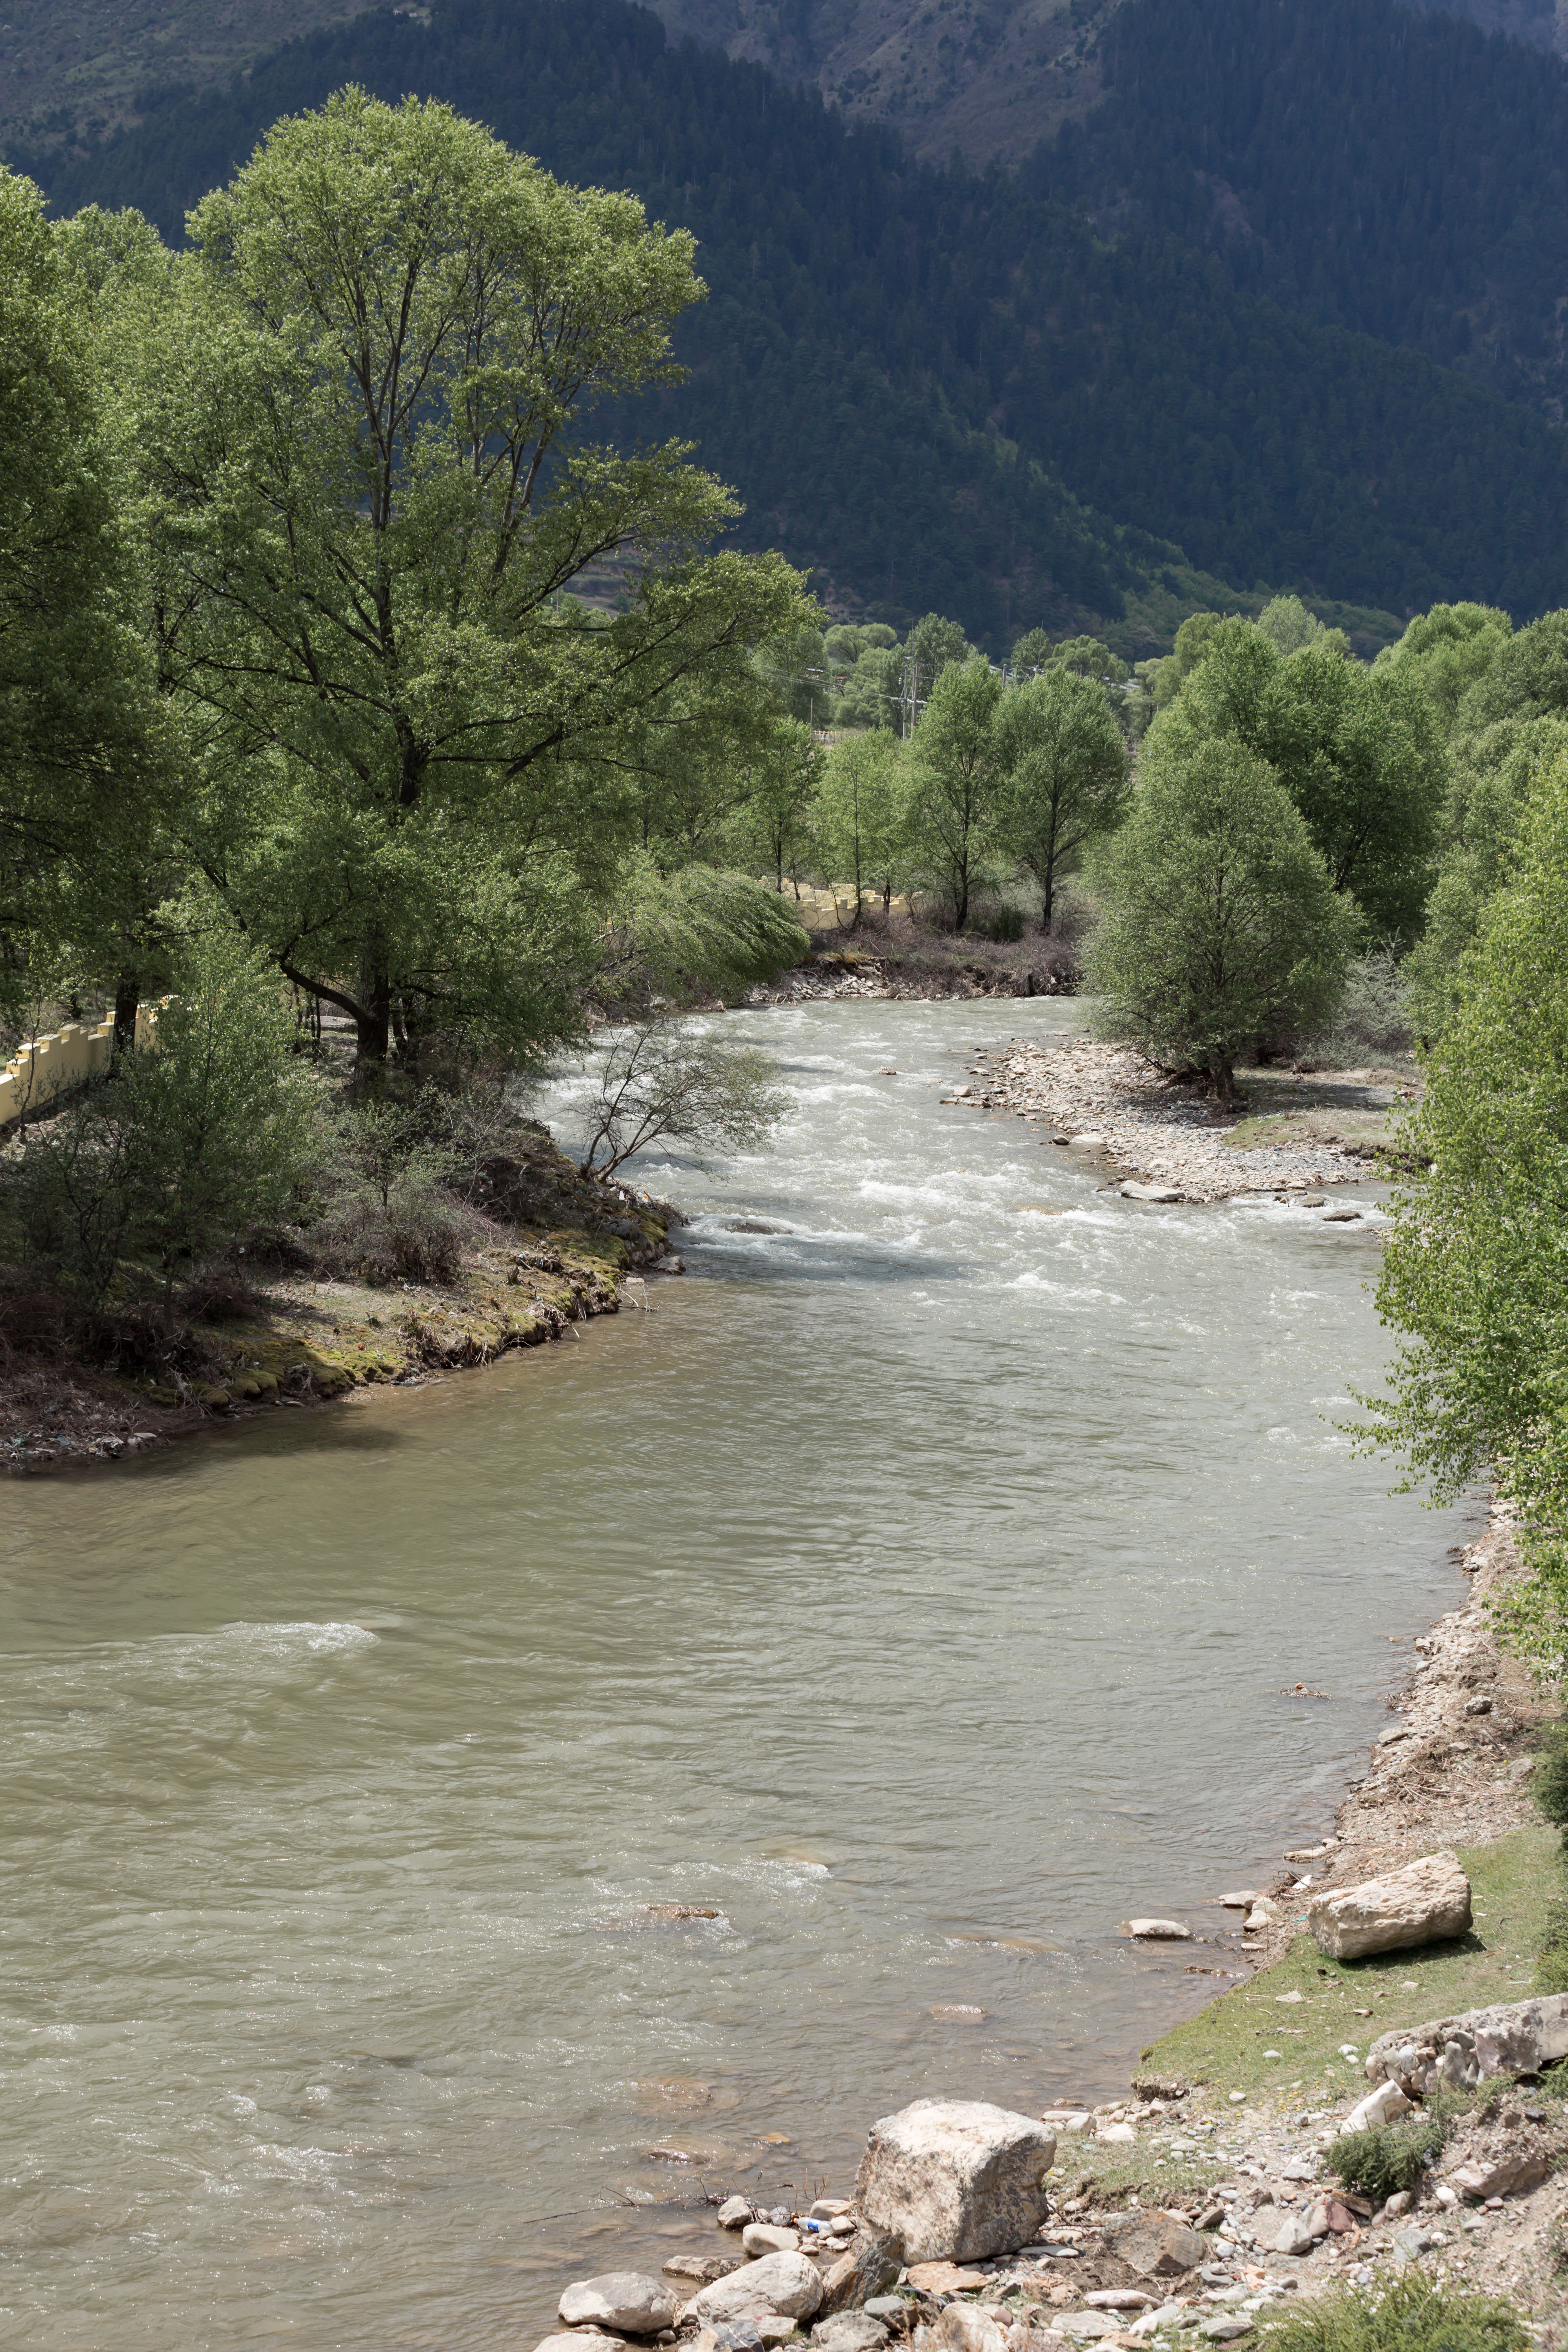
<point>915,376</point>
<point>1402,174</point>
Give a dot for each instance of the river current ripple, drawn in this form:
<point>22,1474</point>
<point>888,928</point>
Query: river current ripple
<point>913,1590</point>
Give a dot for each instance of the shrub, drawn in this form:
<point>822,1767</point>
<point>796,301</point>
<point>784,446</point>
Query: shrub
<point>1552,1952</point>
<point>407,1229</point>
<point>1007,925</point>
<point>1389,2158</point>
<point>1549,1783</point>
<point>1374,1017</point>
<point>1409,2315</point>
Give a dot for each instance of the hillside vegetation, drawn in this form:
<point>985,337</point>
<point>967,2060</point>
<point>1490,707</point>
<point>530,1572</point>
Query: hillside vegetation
<point>938,389</point>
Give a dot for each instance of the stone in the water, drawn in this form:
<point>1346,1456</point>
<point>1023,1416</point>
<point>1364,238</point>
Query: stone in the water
<point>1242,1899</point>
<point>583,2339</point>
<point>1161,1192</point>
<point>631,2301</point>
<point>788,2284</point>
<point>734,2213</point>
<point>703,2268</point>
<point>955,2180</point>
<point>1168,1931</point>
<point>829,2209</point>
<point>769,2238</point>
<point>1341,1217</point>
<point>1427,1902</point>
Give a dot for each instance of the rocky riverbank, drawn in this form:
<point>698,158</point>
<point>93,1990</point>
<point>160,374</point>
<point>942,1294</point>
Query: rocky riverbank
<point>1293,1132</point>
<point>1208,2199</point>
<point>549,1251</point>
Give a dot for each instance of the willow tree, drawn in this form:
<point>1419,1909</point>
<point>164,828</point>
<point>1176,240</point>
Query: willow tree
<point>362,413</point>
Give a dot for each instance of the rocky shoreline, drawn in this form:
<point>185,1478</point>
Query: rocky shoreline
<point>1183,2215</point>
<point>1297,1132</point>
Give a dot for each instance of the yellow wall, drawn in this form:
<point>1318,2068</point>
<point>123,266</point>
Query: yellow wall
<point>51,1066</point>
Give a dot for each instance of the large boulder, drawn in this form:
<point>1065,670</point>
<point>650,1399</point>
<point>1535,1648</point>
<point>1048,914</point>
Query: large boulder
<point>955,2180</point>
<point>630,2302</point>
<point>1514,2037</point>
<point>1427,1902</point>
<point>787,2286</point>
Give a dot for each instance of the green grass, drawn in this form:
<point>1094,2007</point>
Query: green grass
<point>1409,2315</point>
<point>1513,1882</point>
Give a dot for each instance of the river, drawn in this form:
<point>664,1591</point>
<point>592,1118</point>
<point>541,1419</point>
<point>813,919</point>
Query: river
<point>915,1590</point>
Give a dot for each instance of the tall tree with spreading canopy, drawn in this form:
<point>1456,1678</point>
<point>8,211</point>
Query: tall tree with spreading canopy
<point>1220,922</point>
<point>362,413</point>
<point>1065,768</point>
<point>83,771</point>
<point>957,770</point>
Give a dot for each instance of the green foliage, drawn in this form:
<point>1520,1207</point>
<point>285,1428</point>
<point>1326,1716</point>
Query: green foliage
<point>418,816</point>
<point>189,1146</point>
<point>931,644</point>
<point>1451,650</point>
<point>658,1079</point>
<point>388,1215</point>
<point>84,779</point>
<point>1030,654</point>
<point>1474,1270</point>
<point>1493,773</point>
<point>1552,1952</point>
<point>1372,1019</point>
<point>1288,624</point>
<point>1066,777</point>
<point>1407,2313</point>
<point>694,934</point>
<point>1358,752</point>
<point>920,376</point>
<point>1220,924</point>
<point>957,770</point>
<point>1389,2159</point>
<point>1549,1783</point>
<point>862,814</point>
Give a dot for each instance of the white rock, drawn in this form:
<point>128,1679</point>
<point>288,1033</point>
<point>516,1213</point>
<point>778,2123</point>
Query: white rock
<point>955,2180</point>
<point>1169,1931</point>
<point>1085,2324</point>
<point>826,2209</point>
<point>768,2237</point>
<point>1379,2107</point>
<point>1067,2119</point>
<point>788,2284</point>
<point>1118,2135</point>
<point>583,2339</point>
<point>1429,1902</point>
<point>1161,1192</point>
<point>734,2213</point>
<point>1242,1899</point>
<point>1292,2236</point>
<point>1119,2298</point>
<point>631,2301</point>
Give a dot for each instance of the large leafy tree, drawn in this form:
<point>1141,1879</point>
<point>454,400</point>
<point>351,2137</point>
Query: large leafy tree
<point>1220,920</point>
<point>1066,766</point>
<point>957,771</point>
<point>81,766</point>
<point>362,412</point>
<point>1359,753</point>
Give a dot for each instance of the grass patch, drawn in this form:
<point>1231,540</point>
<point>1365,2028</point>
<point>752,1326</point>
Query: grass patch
<point>1514,1885</point>
<point>1394,2157</point>
<point>1409,2315</point>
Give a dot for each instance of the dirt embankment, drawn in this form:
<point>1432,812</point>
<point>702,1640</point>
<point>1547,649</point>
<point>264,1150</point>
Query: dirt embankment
<point>551,1251</point>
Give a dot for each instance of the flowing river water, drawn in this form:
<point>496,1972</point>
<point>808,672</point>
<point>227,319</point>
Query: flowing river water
<point>915,1590</point>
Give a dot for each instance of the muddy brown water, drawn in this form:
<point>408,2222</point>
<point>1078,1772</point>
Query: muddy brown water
<point>912,1591</point>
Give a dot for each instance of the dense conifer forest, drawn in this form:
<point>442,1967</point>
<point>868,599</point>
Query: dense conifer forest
<point>943,389</point>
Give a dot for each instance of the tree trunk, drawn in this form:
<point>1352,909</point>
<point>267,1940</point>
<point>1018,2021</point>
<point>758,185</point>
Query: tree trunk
<point>127,998</point>
<point>373,1029</point>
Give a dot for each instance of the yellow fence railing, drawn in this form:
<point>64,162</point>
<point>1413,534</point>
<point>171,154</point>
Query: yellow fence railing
<point>49,1067</point>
